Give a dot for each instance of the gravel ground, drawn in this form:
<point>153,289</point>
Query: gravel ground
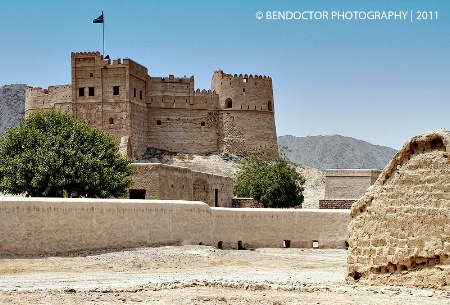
<point>195,275</point>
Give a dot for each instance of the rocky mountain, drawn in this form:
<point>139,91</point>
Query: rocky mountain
<point>12,105</point>
<point>327,152</point>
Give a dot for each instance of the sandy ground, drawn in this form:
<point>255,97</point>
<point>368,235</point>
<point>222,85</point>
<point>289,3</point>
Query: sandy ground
<point>195,275</point>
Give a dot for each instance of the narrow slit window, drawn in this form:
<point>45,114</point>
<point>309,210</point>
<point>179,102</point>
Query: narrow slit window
<point>111,121</point>
<point>140,94</point>
<point>158,122</point>
<point>134,93</point>
<point>202,124</point>
<point>116,90</point>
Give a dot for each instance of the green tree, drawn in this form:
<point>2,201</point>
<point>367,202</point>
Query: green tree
<point>270,179</point>
<point>51,154</point>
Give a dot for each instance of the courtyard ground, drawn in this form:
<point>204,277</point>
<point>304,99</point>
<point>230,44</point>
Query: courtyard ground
<point>195,275</point>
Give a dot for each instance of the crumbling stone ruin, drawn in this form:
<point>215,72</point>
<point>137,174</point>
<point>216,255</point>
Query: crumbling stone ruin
<point>142,111</point>
<point>399,233</point>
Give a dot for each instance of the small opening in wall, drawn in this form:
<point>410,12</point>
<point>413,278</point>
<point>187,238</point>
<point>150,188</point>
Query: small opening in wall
<point>255,107</point>
<point>240,247</point>
<point>241,106</point>
<point>200,243</point>
<point>111,121</point>
<point>171,186</point>
<point>286,243</point>
<point>243,89</point>
<point>245,80</point>
<point>202,123</point>
<point>269,105</point>
<point>116,90</point>
<point>91,75</point>
<point>346,245</point>
<point>158,122</point>
<point>228,103</point>
<point>186,100</point>
<point>80,91</point>
<point>137,194</point>
<point>220,245</point>
<point>315,244</point>
<point>91,91</point>
<point>140,94</point>
<point>134,92</point>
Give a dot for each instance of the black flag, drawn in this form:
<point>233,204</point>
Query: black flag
<point>99,19</point>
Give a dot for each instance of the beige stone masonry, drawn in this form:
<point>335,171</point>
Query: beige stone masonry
<point>399,231</point>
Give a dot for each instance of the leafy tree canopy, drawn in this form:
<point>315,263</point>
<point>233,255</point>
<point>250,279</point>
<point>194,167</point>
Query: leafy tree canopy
<point>270,179</point>
<point>51,154</point>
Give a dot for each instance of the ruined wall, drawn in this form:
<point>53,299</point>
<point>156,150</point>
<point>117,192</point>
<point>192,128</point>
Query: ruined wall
<point>168,182</point>
<point>57,225</point>
<point>399,231</point>
<point>348,183</point>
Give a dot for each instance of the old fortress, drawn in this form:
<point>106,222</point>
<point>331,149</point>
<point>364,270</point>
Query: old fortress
<point>142,111</point>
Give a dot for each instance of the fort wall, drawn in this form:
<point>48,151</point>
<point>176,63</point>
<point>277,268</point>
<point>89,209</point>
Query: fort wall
<point>57,225</point>
<point>58,97</point>
<point>193,131</point>
<point>119,96</point>
<point>168,182</point>
<point>399,231</point>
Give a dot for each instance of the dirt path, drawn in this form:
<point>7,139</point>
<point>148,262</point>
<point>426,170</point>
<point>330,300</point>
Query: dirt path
<point>195,275</point>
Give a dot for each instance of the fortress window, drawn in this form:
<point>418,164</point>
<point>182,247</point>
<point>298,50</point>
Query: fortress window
<point>203,123</point>
<point>243,89</point>
<point>158,122</point>
<point>116,90</point>
<point>269,106</point>
<point>91,75</point>
<point>111,121</point>
<point>228,103</point>
<point>80,91</point>
<point>134,93</point>
<point>140,94</point>
<point>91,91</point>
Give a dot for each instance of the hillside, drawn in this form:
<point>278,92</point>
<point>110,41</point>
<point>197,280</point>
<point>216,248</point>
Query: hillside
<point>12,105</point>
<point>326,152</point>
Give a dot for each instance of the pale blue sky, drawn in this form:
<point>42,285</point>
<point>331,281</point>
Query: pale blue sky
<point>381,81</point>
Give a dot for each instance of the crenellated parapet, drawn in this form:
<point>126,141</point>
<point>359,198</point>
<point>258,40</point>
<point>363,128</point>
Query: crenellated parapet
<point>119,95</point>
<point>58,97</point>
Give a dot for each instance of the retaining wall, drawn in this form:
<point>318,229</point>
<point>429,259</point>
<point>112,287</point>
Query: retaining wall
<point>55,225</point>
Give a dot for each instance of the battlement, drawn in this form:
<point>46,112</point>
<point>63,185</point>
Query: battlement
<point>241,77</point>
<point>172,79</point>
<point>205,92</point>
<point>86,54</point>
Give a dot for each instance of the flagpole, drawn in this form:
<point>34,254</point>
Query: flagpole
<point>103,34</point>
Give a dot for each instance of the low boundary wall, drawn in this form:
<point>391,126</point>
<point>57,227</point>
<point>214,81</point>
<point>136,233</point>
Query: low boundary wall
<point>56,225</point>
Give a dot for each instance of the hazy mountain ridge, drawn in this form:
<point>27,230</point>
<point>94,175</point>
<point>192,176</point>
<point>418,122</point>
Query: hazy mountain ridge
<point>327,152</point>
<point>12,105</point>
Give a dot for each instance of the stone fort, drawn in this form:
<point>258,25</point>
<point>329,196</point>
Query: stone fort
<point>141,111</point>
